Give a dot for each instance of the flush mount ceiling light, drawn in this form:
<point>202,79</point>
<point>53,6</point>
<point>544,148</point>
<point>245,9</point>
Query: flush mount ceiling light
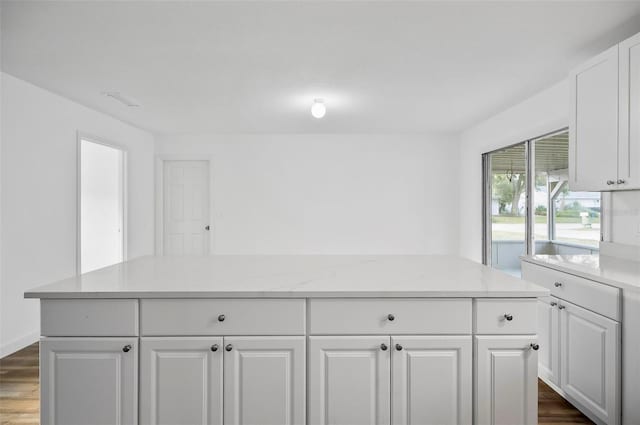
<point>125,100</point>
<point>318,109</point>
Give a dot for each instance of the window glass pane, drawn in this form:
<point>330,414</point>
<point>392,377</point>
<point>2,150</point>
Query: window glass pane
<point>508,207</point>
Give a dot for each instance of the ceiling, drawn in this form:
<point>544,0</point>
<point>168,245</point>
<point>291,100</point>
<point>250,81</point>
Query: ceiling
<point>255,67</point>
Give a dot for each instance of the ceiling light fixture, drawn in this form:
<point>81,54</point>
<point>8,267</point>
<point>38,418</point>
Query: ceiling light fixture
<point>126,100</point>
<point>318,109</point>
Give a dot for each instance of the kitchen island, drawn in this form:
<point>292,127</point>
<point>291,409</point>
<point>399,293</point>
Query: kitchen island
<point>290,340</point>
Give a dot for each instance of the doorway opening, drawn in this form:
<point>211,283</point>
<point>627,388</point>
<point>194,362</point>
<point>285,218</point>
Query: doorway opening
<point>101,192</point>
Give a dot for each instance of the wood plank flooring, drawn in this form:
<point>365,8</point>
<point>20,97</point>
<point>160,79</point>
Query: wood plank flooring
<point>19,396</point>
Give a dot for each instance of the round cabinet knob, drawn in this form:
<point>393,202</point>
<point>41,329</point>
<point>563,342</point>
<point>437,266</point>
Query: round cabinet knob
<point>553,304</point>
<point>610,182</point>
<point>621,181</point>
<point>508,317</point>
<point>221,318</point>
<point>229,347</point>
<point>398,347</point>
<point>534,346</point>
<point>557,284</point>
<point>383,347</point>
<point>561,307</point>
<point>126,348</point>
<point>391,317</point>
<point>214,347</point>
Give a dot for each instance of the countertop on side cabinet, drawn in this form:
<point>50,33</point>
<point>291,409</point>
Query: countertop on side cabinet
<point>293,276</point>
<point>624,274</point>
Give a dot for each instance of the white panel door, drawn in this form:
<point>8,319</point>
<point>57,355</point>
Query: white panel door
<point>349,380</point>
<point>264,380</point>
<point>89,381</point>
<point>591,361</point>
<point>186,208</point>
<point>593,132</point>
<point>549,339</point>
<point>629,152</point>
<point>432,380</point>
<point>181,381</point>
<point>506,380</point>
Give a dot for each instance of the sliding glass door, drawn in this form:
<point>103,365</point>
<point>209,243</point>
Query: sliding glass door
<point>528,207</point>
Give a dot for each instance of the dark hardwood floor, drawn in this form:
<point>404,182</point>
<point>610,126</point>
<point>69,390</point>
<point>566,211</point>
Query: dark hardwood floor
<point>19,398</point>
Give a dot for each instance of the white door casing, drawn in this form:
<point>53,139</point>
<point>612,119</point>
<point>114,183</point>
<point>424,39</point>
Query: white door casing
<point>432,380</point>
<point>349,380</point>
<point>185,207</point>
<point>506,380</point>
<point>264,380</point>
<point>181,380</point>
<point>89,381</point>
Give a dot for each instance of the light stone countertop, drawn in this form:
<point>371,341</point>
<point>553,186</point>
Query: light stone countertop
<point>621,273</point>
<point>292,276</point>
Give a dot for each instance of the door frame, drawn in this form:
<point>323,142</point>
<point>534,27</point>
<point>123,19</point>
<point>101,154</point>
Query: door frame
<point>80,136</point>
<point>159,196</point>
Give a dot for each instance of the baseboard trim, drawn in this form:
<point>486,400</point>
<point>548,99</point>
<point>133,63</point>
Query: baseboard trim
<point>18,344</point>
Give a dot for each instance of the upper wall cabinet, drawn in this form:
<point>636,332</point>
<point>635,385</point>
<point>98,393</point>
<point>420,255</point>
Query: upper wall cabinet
<point>604,138</point>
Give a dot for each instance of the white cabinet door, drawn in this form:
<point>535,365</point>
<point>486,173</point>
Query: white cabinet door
<point>432,380</point>
<point>629,151</point>
<point>89,381</point>
<point>593,132</point>
<point>181,381</point>
<point>591,361</point>
<point>506,380</point>
<point>349,380</point>
<point>264,380</point>
<point>549,339</point>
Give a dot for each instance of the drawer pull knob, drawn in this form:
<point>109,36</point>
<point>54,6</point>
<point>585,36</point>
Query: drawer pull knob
<point>398,347</point>
<point>621,181</point>
<point>229,347</point>
<point>214,347</point>
<point>508,316</point>
<point>557,284</point>
<point>610,182</point>
<point>391,317</point>
<point>561,307</point>
<point>126,348</point>
<point>221,318</point>
<point>534,346</point>
<point>553,303</point>
<point>383,347</point>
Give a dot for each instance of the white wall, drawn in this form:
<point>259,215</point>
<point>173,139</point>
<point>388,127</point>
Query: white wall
<point>39,196</point>
<point>329,194</point>
<point>543,113</point>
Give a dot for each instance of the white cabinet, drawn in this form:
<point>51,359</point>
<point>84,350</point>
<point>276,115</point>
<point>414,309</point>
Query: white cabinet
<point>349,380</point>
<point>629,144</point>
<point>264,380</point>
<point>591,361</point>
<point>181,381</point>
<point>431,380</point>
<point>593,132</point>
<point>506,380</point>
<point>549,340</point>
<point>89,381</point>
<point>604,132</point>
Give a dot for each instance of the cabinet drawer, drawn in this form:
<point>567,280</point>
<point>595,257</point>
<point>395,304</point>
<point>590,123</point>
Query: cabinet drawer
<point>182,317</point>
<point>506,316</point>
<point>88,317</point>
<point>389,316</point>
<point>595,296</point>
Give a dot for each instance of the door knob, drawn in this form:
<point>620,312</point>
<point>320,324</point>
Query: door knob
<point>561,307</point>
<point>621,181</point>
<point>557,284</point>
<point>534,346</point>
<point>391,317</point>
<point>221,318</point>
<point>229,347</point>
<point>508,316</point>
<point>610,182</point>
<point>553,304</point>
<point>398,347</point>
<point>214,347</point>
<point>126,348</point>
<point>207,227</point>
<point>383,347</point>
